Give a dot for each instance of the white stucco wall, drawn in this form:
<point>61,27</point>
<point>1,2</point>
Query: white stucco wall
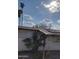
<point>22,34</point>
<point>52,45</point>
<point>50,41</point>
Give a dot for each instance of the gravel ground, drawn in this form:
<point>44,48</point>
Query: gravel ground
<point>49,55</point>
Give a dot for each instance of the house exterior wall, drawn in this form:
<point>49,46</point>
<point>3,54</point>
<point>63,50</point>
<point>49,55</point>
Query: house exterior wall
<point>22,34</point>
<point>50,41</point>
<point>52,44</point>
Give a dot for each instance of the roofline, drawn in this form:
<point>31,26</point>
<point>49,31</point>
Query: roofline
<point>36,29</point>
<point>27,28</point>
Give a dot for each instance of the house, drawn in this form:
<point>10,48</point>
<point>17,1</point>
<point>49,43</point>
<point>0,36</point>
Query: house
<point>52,47</point>
<point>52,40</point>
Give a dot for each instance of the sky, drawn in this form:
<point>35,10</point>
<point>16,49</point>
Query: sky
<point>41,12</point>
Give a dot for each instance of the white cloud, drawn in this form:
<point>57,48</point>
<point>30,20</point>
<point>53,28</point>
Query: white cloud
<point>28,21</point>
<point>28,17</point>
<point>48,23</point>
<point>56,27</point>
<point>29,24</point>
<point>58,21</point>
<point>53,6</point>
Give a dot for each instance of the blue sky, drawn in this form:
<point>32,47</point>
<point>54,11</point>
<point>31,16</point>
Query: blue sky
<point>36,11</point>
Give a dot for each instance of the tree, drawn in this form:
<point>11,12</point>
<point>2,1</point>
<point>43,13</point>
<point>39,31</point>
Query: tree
<point>34,43</point>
